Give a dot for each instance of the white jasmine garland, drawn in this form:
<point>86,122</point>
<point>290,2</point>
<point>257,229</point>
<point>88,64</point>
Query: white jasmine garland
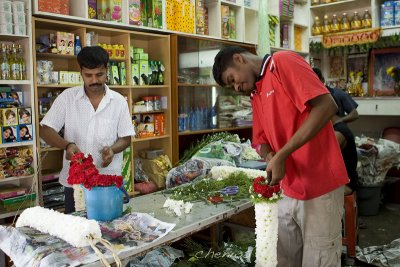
<point>266,214</point>
<point>176,206</point>
<point>218,172</point>
<point>73,229</point>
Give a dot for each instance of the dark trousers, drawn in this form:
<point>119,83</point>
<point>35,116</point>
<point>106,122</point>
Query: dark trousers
<point>69,200</point>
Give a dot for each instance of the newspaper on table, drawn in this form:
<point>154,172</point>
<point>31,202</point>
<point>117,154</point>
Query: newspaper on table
<point>29,247</point>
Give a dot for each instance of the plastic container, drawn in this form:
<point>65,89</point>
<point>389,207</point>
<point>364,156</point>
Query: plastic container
<point>148,102</point>
<point>103,203</point>
<point>6,28</point>
<point>19,18</point>
<point>157,103</point>
<point>5,6</point>
<point>20,202</point>
<point>6,18</point>
<point>368,200</point>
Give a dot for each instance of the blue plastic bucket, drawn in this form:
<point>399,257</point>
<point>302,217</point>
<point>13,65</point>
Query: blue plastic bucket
<point>104,203</point>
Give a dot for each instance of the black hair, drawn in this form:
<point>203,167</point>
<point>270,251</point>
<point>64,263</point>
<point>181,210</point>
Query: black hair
<point>24,111</point>
<point>92,57</point>
<point>319,74</point>
<point>24,127</point>
<point>223,60</point>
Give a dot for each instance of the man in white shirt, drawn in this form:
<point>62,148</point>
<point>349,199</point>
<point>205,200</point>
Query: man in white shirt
<point>96,120</point>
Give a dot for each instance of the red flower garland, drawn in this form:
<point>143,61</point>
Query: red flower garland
<point>261,187</point>
<point>83,171</point>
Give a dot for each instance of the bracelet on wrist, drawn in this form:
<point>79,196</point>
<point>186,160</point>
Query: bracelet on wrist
<point>71,143</point>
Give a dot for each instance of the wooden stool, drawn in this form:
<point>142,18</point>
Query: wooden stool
<point>350,224</point>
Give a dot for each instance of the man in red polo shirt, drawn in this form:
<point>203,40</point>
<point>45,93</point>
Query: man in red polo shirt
<point>291,120</point>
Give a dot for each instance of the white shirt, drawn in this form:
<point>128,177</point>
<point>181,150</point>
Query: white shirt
<point>91,130</point>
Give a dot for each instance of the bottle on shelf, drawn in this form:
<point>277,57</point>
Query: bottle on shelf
<point>326,26</point>
<point>366,21</point>
<point>315,2</point>
<point>15,73</point>
<point>356,21</point>
<point>345,25</point>
<point>78,46</point>
<point>335,26</point>
<point>22,65</point>
<point>317,27</point>
<point>4,63</point>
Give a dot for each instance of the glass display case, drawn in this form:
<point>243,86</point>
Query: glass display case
<point>201,106</point>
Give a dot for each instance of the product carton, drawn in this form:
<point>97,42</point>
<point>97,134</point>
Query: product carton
<point>134,12</point>
<point>116,10</point>
<point>135,74</point>
<point>170,15</point>
<point>199,16</point>
<point>396,12</point>
<point>24,115</point>
<point>157,14</point>
<point>225,21</point>
<point>54,6</point>
<point>9,116</point>
<point>92,9</point>
<point>143,71</point>
<point>103,10</point>
<point>9,134</point>
<point>64,77</point>
<point>65,43</point>
<point>25,133</point>
<point>141,56</point>
<point>159,124</point>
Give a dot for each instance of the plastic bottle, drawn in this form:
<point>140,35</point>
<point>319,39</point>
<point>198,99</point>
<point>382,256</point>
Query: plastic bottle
<point>366,21</point>
<point>326,26</point>
<point>122,51</point>
<point>345,26</point>
<point>78,46</point>
<point>335,26</point>
<point>356,22</point>
<point>317,28</point>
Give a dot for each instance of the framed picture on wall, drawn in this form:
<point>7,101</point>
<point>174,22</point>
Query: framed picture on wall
<point>380,83</point>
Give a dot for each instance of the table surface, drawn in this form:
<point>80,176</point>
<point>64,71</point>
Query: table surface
<point>202,216</point>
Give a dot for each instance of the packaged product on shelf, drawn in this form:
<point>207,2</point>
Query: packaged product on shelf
<point>285,35</point>
<point>9,134</point>
<point>9,116</point>
<point>25,115</point>
<point>148,103</point>
<point>159,124</point>
<point>147,118</point>
<point>122,73</point>
<point>387,14</point>
<point>396,12</point>
<point>232,24</point>
<point>151,153</point>
<point>17,97</point>
<point>103,10</point>
<point>25,133</point>
<point>143,12</point>
<point>157,14</point>
<point>21,202</point>
<point>190,19</point>
<point>146,129</point>
<point>6,17</point>
<point>5,6</point>
<point>143,71</point>
<point>225,21</point>
<point>356,23</point>
<point>8,190</point>
<point>134,12</point>
<point>170,15</point>
<point>367,20</point>
<point>135,74</point>
<point>116,10</point>
<point>54,78</point>
<point>19,18</point>
<point>206,21</point>
<point>6,28</point>
<point>141,56</point>
<point>65,43</point>
<point>92,9</point>
<point>18,6</point>
<point>149,12</point>
<point>157,103</point>
<point>199,16</point>
<point>54,6</point>
<point>64,77</point>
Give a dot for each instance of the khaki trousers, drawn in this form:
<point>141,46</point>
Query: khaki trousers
<point>310,231</point>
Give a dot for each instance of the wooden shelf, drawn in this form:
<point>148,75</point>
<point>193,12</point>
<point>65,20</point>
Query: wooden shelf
<point>275,49</point>
<point>16,144</point>
<point>116,87</point>
<point>48,149</point>
<point>214,130</point>
<point>14,82</point>
<point>56,85</point>
<point>53,55</point>
<point>5,214</point>
<point>144,139</point>
<point>148,86</point>
<point>340,6</point>
<point>12,37</point>
<point>150,112</point>
<point>17,178</point>
<point>197,85</point>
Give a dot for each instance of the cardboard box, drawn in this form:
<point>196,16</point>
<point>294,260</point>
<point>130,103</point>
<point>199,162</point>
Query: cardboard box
<point>65,43</point>
<point>92,9</point>
<point>64,77</point>
<point>170,15</point>
<point>134,12</point>
<point>9,134</point>
<point>159,124</point>
<point>141,56</point>
<point>143,71</point>
<point>135,74</point>
<point>17,96</point>
<point>103,10</point>
<point>25,133</point>
<point>116,10</point>
<point>54,6</point>
<point>150,153</point>
<point>9,116</point>
<point>157,14</point>
<point>225,21</point>
<point>24,115</point>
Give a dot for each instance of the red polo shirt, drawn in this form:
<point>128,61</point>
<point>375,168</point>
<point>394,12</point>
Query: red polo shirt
<point>280,106</point>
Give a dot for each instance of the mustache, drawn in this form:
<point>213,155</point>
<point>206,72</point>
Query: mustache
<point>95,84</point>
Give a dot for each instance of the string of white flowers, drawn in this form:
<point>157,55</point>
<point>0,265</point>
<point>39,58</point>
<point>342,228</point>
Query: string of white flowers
<point>79,197</point>
<point>266,214</point>
<point>218,172</point>
<point>73,229</point>
<point>177,205</point>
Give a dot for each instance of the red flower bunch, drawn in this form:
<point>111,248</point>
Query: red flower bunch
<point>83,171</point>
<point>260,187</point>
